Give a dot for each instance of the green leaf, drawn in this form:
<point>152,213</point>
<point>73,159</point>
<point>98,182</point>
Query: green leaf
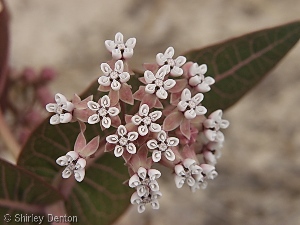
<point>239,64</point>
<point>23,192</point>
<point>101,197</point>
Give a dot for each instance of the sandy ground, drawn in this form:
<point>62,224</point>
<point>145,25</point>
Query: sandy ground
<point>258,180</point>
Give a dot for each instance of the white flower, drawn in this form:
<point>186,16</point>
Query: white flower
<point>162,146</point>
<point>209,171</point>
<point>145,120</point>
<point>103,111</point>
<point>145,181</point>
<point>173,66</point>
<point>187,172</point>
<point>62,108</point>
<point>113,78</point>
<point>123,141</point>
<point>197,78</point>
<point>191,105</point>
<point>118,49</point>
<point>74,164</point>
<point>212,126</point>
<point>156,83</point>
<point>151,198</point>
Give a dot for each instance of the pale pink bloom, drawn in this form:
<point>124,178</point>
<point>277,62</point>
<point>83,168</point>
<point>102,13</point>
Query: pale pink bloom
<point>163,146</point>
<point>123,141</point>
<point>62,109</point>
<point>103,111</point>
<point>172,65</point>
<point>156,83</point>
<point>145,120</point>
<point>197,78</point>
<point>119,49</point>
<point>191,105</point>
<point>150,198</point>
<point>213,124</point>
<point>113,77</point>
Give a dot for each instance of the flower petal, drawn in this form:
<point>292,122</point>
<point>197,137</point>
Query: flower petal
<point>179,181</point>
<point>93,119</point>
<point>203,68</point>
<point>176,71</point>
<point>130,43</point>
<point>93,105</point>
<point>105,101</point>
<point>132,136</point>
<point>143,130</point>
<point>149,76</point>
<point>113,139</point>
<point>105,69</point>
<point>119,38</point>
<point>162,136</point>
<point>150,88</point>
<point>155,115</point>
<point>124,77</point>
<point>135,198</point>
<point>134,181</point>
<point>136,120</point>
<point>203,87</point>
<point>194,81</point>
<point>106,122</point>
<point>190,114</point>
<point>131,148</point>
<point>113,111</point>
<point>122,130</point>
<point>142,172</point>
<point>154,174</point>
<point>160,59</point>
<point>154,127</point>
<point>172,141</point>
<point>161,73</point>
<point>65,118</point>
<point>190,181</point>
<point>152,144</point>
<point>169,53</point>
<point>179,61</point>
<point>200,110</point>
<point>198,98</point>
<point>51,107</point>
<point>79,174</point>
<point>116,54</point>
<point>141,190</point>
<point>118,150</point>
<point>156,156</point>
<point>119,66</point>
<point>169,83</point>
<point>182,105</point>
<point>154,185</point>
<point>169,154</point>
<point>144,110</point>
<point>81,163</point>
<point>179,170</point>
<point>55,119</point>
<point>115,85</point>
<point>110,45</point>
<point>161,93</point>
<point>67,172</point>
<point>186,95</point>
<point>104,80</point>
<point>62,161</point>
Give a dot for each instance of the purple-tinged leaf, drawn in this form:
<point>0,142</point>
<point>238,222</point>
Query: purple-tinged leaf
<point>24,192</point>
<point>172,121</point>
<point>239,64</point>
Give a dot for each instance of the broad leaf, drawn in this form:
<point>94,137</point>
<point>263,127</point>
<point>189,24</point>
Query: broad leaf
<point>4,47</point>
<point>239,64</point>
<point>23,192</point>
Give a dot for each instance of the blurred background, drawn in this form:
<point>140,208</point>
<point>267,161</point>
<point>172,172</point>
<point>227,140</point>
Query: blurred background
<point>259,171</point>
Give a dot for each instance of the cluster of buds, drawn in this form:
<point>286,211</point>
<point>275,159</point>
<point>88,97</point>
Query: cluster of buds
<point>166,124</point>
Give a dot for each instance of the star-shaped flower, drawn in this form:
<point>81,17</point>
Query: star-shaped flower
<point>145,181</point>
<point>172,65</point>
<point>75,161</point>
<point>151,198</point>
<point>113,77</point>
<point>119,49</point>
<point>157,84</point>
<point>123,141</point>
<point>197,78</point>
<point>62,109</point>
<point>103,111</point>
<point>213,125</point>
<point>191,105</point>
<point>145,120</point>
<point>162,145</point>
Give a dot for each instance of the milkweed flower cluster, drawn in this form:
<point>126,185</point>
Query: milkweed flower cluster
<point>166,122</point>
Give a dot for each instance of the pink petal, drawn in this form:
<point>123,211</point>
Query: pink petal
<point>90,148</point>
<point>172,121</point>
<point>115,121</point>
<point>126,94</point>
<point>114,97</point>
<point>179,86</point>
<point>150,100</point>
<point>139,94</point>
<point>104,88</point>
<point>185,128</point>
<point>150,66</point>
<point>175,98</point>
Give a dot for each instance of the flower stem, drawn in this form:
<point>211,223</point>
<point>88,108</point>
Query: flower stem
<point>8,138</point>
